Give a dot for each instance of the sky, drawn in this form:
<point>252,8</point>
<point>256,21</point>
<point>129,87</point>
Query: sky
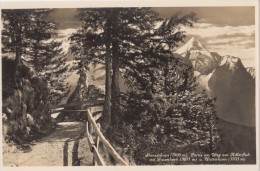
<point>225,30</point>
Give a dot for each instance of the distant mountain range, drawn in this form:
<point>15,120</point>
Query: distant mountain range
<point>225,78</point>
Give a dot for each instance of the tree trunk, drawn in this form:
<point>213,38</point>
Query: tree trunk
<point>210,140</point>
<point>18,53</point>
<point>115,99</point>
<point>106,116</point>
<point>16,66</point>
<point>166,78</point>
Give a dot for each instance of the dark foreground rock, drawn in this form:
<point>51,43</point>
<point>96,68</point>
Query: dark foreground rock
<point>26,109</point>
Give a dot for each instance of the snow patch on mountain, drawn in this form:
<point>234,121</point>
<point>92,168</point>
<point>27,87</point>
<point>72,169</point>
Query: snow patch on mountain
<point>223,61</point>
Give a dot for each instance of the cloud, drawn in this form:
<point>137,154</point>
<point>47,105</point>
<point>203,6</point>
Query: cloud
<point>220,16</point>
<point>205,30</point>
<point>246,55</point>
<point>212,35</point>
<point>238,41</point>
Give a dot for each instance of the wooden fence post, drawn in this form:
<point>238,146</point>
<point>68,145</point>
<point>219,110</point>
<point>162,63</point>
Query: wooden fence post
<point>65,154</point>
<point>75,159</point>
<point>104,141</point>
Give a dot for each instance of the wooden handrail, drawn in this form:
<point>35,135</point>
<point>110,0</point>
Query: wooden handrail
<point>84,103</point>
<point>63,110</point>
<point>104,141</point>
<point>98,157</point>
<point>95,128</point>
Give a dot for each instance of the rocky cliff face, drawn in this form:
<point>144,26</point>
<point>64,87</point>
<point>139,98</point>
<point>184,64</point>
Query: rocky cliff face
<point>235,91</point>
<point>233,85</point>
<point>26,109</point>
<point>225,78</point>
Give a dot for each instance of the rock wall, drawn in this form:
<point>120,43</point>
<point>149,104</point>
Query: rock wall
<point>25,109</point>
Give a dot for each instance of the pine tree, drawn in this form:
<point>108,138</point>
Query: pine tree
<point>28,34</point>
<point>91,44</point>
<point>167,109</point>
<point>45,54</point>
<point>123,38</point>
<point>137,44</point>
<point>15,24</point>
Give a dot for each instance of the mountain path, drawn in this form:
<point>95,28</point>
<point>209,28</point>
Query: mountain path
<point>48,151</point>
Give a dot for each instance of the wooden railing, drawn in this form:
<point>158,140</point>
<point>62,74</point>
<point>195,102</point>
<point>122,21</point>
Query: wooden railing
<point>98,144</point>
<point>93,128</point>
<point>83,104</point>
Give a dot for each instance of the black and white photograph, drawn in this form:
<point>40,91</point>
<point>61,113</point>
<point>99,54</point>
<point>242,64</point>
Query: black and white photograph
<point>129,86</point>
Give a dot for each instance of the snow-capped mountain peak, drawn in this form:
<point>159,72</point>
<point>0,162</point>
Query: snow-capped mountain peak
<point>233,63</point>
<point>192,45</point>
<point>201,58</point>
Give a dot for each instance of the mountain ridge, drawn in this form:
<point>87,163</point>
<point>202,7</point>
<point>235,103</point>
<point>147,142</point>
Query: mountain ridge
<point>227,79</point>
<point>202,60</point>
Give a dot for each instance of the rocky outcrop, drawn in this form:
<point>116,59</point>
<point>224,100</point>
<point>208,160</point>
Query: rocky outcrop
<point>25,108</point>
<point>251,71</point>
